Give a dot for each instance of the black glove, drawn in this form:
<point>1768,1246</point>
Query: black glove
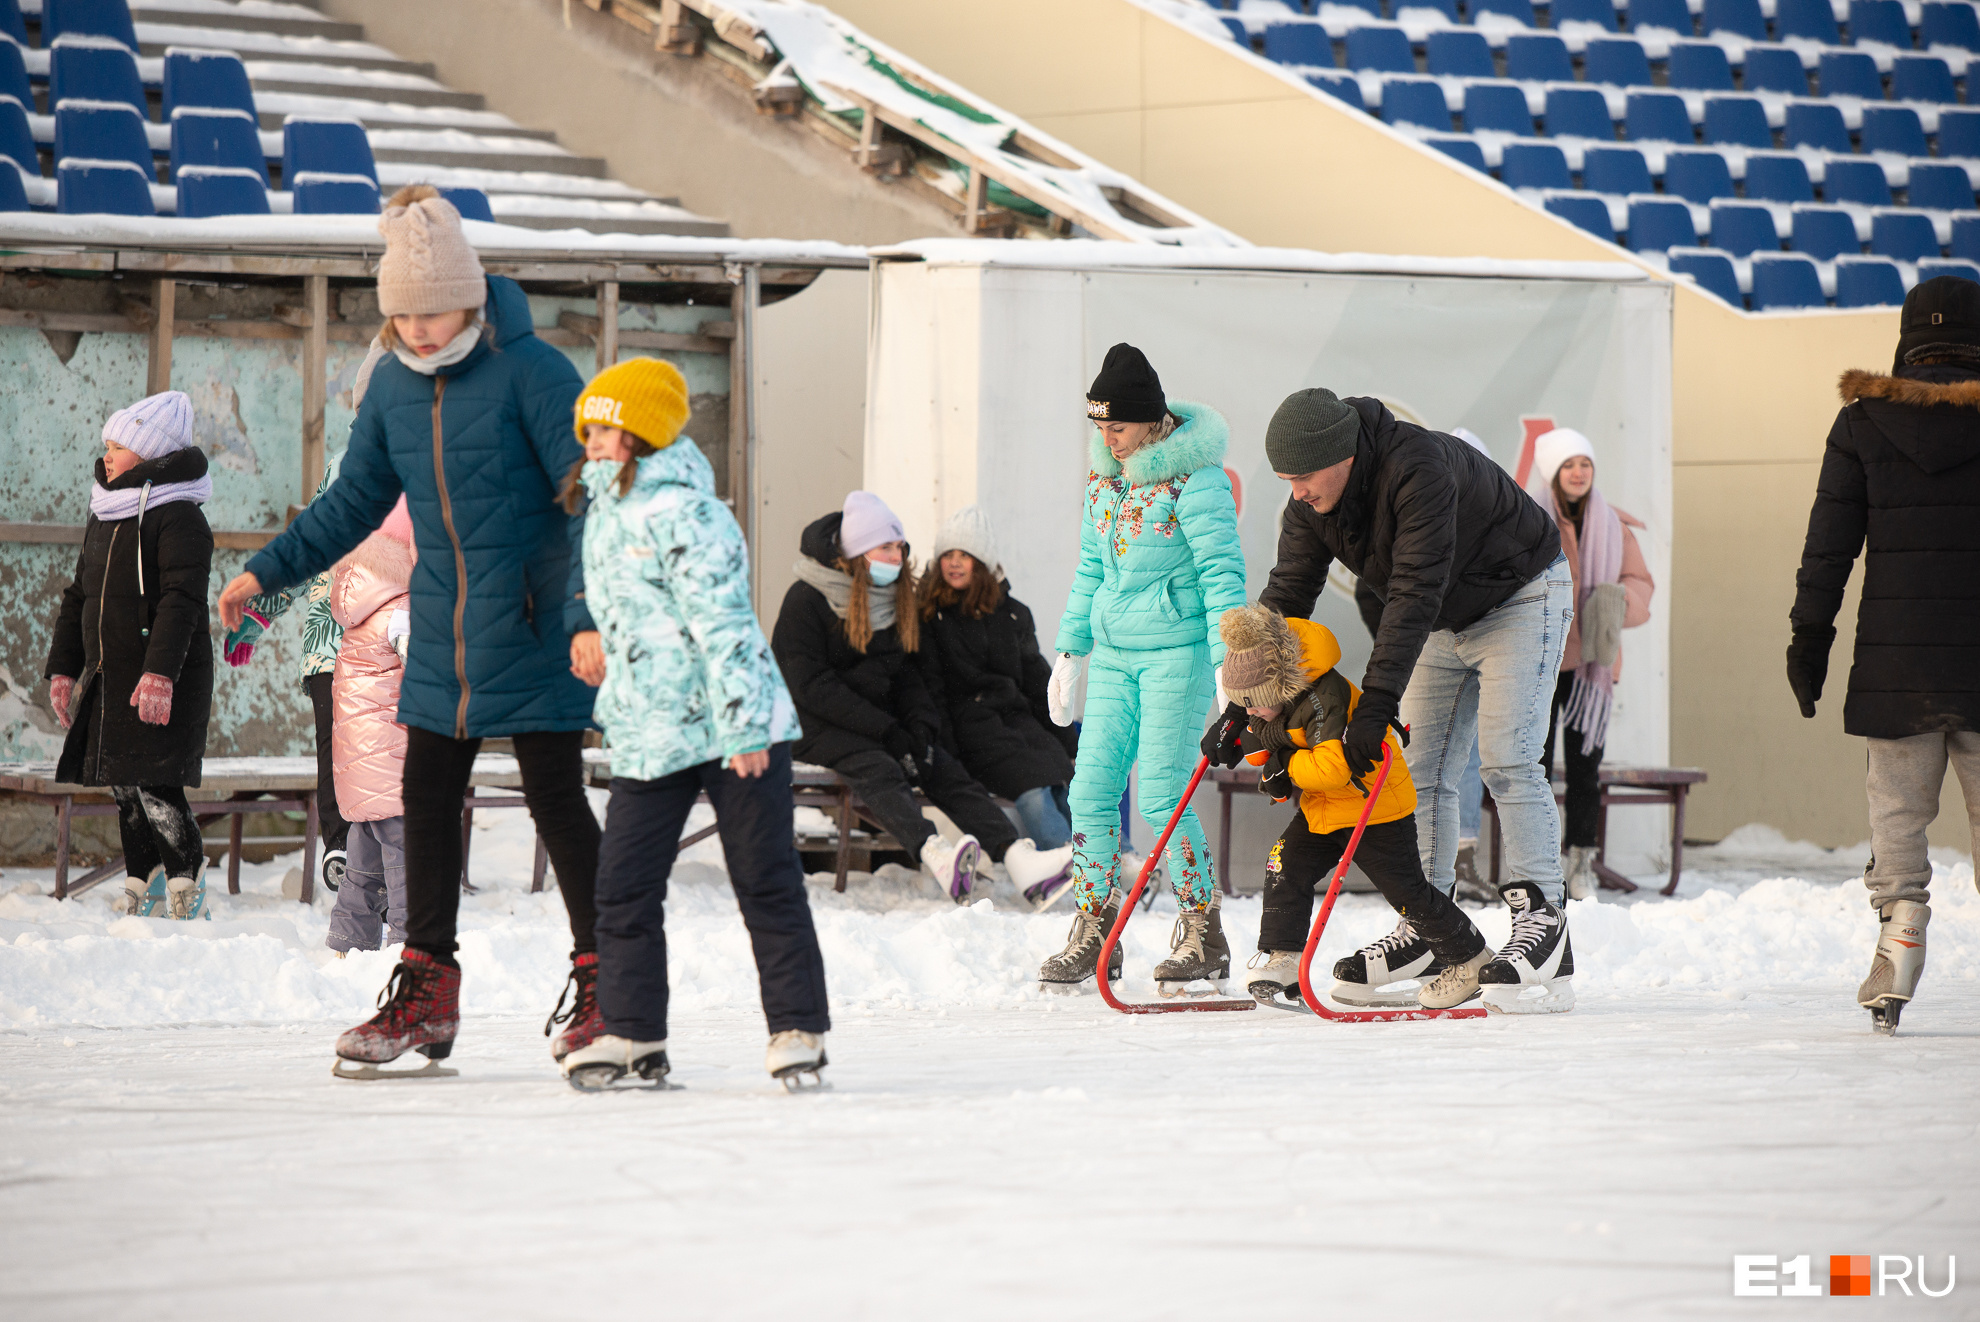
<point>1220,741</point>
<point>903,747</point>
<point>1361,742</point>
<point>1275,778</point>
<point>1808,665</point>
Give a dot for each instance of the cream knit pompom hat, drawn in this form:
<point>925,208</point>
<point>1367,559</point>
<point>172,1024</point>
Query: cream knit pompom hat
<point>428,266</point>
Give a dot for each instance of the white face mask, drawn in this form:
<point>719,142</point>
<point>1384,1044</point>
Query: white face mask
<point>881,572</point>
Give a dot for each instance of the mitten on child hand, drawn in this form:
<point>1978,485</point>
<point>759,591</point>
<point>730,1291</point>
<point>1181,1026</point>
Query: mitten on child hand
<point>61,691</point>
<point>1221,740</point>
<point>153,699</point>
<point>1275,778</point>
<point>240,641</point>
<point>1059,689</point>
<point>1602,623</point>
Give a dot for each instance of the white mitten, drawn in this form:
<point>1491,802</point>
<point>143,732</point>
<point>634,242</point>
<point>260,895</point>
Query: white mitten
<point>1066,671</point>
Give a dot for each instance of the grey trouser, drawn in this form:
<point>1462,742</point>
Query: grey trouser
<point>374,887</point>
<point>1904,780</point>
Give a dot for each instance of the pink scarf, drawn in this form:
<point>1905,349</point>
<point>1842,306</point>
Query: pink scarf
<point>1593,693</point>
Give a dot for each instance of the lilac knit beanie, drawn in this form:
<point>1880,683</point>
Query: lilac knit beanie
<point>865,523</point>
<point>155,426</point>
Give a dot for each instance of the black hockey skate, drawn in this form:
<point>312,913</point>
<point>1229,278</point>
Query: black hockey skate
<point>1369,976</point>
<point>1534,970</point>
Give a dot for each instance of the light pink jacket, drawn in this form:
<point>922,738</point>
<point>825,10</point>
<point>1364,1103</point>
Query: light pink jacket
<point>367,744</point>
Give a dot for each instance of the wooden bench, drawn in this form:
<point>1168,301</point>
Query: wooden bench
<point>1640,786</point>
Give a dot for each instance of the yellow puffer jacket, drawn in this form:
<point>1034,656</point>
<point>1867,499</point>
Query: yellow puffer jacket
<point>1328,800</point>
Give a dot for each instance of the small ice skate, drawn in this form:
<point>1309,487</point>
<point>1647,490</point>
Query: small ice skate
<point>142,895</point>
<point>952,866</point>
<point>600,1065</point>
<point>1272,974</point>
<point>1581,879</point>
<point>1897,965</point>
<point>186,896</point>
<point>583,1024</point>
<point>366,1072</point>
<point>795,1055</point>
<point>1533,972</point>
<point>1041,875</point>
<point>1070,968</point>
<point>1471,886</point>
<point>1198,952</point>
<point>1386,974</point>
<point>1457,984</point>
<point>419,1010</point>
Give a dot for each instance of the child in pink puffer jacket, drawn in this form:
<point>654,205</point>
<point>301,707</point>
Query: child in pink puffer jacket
<point>368,597</point>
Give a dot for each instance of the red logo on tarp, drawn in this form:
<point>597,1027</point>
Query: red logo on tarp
<point>1237,489</point>
<point>1535,428</point>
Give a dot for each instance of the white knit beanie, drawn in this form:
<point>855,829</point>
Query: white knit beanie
<point>865,523</point>
<point>969,530</point>
<point>428,266</point>
<point>154,426</point>
<point>1554,448</point>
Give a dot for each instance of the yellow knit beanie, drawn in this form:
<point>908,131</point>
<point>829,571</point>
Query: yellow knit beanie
<point>645,396</point>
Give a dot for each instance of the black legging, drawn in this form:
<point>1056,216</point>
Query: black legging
<point>1584,766</point>
<point>157,826</point>
<point>436,782</point>
<point>329,820</point>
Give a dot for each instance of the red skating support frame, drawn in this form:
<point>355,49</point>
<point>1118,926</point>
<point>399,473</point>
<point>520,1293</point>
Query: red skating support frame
<point>1313,1001</point>
<point>1113,937</point>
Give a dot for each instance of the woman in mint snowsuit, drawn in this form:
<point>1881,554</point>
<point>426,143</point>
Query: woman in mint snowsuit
<point>1159,564</point>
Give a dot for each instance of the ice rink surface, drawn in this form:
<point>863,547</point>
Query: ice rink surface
<point>172,1143</point>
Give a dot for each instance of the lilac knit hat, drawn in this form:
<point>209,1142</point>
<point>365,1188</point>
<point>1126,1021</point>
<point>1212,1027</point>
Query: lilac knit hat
<point>865,523</point>
<point>155,426</point>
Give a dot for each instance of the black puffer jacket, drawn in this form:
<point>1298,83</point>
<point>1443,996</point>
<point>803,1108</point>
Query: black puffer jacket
<point>988,677</point>
<point>101,637</point>
<point>1434,528</point>
<point>846,700</point>
<point>1902,473</point>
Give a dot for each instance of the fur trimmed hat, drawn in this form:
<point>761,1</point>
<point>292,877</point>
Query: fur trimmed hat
<point>1262,661</point>
<point>429,266</point>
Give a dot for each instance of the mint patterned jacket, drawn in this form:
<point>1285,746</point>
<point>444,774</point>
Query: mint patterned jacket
<point>689,677</point>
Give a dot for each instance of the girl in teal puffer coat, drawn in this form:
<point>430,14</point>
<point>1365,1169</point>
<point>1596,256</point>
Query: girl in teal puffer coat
<point>1159,564</point>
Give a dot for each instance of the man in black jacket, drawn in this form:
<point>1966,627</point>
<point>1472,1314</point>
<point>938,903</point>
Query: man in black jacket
<point>1476,598</point>
<point>1902,473</point>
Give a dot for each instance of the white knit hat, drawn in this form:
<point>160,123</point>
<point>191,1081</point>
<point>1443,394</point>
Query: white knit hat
<point>969,530</point>
<point>428,266</point>
<point>154,426</point>
<point>865,523</point>
<point>1554,448</point>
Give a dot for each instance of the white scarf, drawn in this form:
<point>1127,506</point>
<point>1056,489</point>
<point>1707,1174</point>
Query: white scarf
<point>455,349</point>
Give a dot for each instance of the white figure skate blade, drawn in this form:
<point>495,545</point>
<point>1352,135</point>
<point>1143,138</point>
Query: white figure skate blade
<point>1196,989</point>
<point>1393,996</point>
<point>1529,997</point>
<point>360,1071</point>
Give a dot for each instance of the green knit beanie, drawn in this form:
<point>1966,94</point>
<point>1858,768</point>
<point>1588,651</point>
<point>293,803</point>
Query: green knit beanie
<point>1311,430</point>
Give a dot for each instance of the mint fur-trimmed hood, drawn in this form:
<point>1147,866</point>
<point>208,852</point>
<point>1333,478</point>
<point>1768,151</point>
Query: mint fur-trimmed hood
<point>1200,442</point>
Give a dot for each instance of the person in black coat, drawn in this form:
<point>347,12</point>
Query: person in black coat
<point>983,666</point>
<point>1901,482</point>
<point>845,639</point>
<point>131,667</point>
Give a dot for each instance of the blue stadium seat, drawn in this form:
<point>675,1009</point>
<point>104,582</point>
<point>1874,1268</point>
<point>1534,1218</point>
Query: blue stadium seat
<point>1617,60</point>
<point>1959,133</point>
<point>1538,57</point>
<point>14,75</point>
<point>325,146</point>
<point>84,187</point>
<point>1775,69</point>
<point>1742,229</point>
<point>1966,237</point>
<point>1380,50</point>
<point>1601,12</point>
<point>1415,101</point>
<point>1368,6</point>
<point>90,18</point>
<point>1712,270</point>
<point>1786,281</point>
<point>1963,270</point>
<point>1500,106</point>
<point>1859,181</point>
<point>17,136</point>
<point>1880,21</point>
<point>211,78</point>
<point>1534,165</point>
<point>11,22</point>
<point>102,131</point>
<point>1849,73</point>
<point>1949,25</point>
<point>1615,170</point>
<point>1697,176</point>
<point>1740,17</point>
<point>1908,236</point>
<point>1699,65</point>
<point>222,138</point>
<point>1465,151</point>
<point>13,193</point>
<point>1923,78</point>
<point>334,194</point>
<point>1673,15</point>
<point>210,190</point>
<point>1579,112</point>
<point>1299,43</point>
<point>1656,117</point>
<point>1817,124</point>
<point>1340,86</point>
<point>1587,213</point>
<point>1812,20</point>
<point>1460,53</point>
<point>1940,187</point>
<point>1778,179</point>
<point>1824,233</point>
<point>1521,10</point>
<point>1868,284</point>
<point>1657,224</point>
<point>1893,129</point>
<point>1448,8</point>
<point>93,72</point>
<point>1737,121</point>
<point>1239,32</point>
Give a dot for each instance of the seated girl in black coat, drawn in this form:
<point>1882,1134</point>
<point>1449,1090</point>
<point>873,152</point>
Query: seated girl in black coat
<point>843,640</point>
<point>980,654</point>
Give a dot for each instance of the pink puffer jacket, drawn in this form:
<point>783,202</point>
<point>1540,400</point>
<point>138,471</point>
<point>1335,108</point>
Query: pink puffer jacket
<point>367,744</point>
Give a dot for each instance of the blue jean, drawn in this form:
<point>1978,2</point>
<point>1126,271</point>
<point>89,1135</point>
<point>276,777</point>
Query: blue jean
<point>1494,681</point>
<point>1471,797</point>
<point>1046,816</point>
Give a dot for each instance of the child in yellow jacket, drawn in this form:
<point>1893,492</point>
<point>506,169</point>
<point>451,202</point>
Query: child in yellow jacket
<point>1282,672</point>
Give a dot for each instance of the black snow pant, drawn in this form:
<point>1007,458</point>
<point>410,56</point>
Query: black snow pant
<point>1584,767</point>
<point>329,822</point>
<point>642,838</point>
<point>157,826</point>
<point>1303,863</point>
<point>882,786</point>
<point>435,791</point>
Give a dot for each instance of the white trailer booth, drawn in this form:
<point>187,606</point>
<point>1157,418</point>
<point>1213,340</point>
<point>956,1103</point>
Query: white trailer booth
<point>981,351</point>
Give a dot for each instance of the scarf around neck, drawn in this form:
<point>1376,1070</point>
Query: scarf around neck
<point>178,476</point>
<point>1592,695</point>
<point>837,584</point>
<point>452,352</point>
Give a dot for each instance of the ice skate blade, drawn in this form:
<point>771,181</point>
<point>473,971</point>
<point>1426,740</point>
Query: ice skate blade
<point>1362,997</point>
<point>615,1078</point>
<point>363,1071</point>
<point>1884,1017</point>
<point>1181,990</point>
<point>1511,998</point>
<point>794,1078</point>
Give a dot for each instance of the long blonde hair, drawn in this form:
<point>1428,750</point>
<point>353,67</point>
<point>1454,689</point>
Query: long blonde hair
<point>859,624</point>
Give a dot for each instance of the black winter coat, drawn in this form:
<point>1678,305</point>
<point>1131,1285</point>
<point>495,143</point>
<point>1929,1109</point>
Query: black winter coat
<point>1902,473</point>
<point>108,635</point>
<point>988,677</point>
<point>1434,528</point>
<point>846,700</point>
